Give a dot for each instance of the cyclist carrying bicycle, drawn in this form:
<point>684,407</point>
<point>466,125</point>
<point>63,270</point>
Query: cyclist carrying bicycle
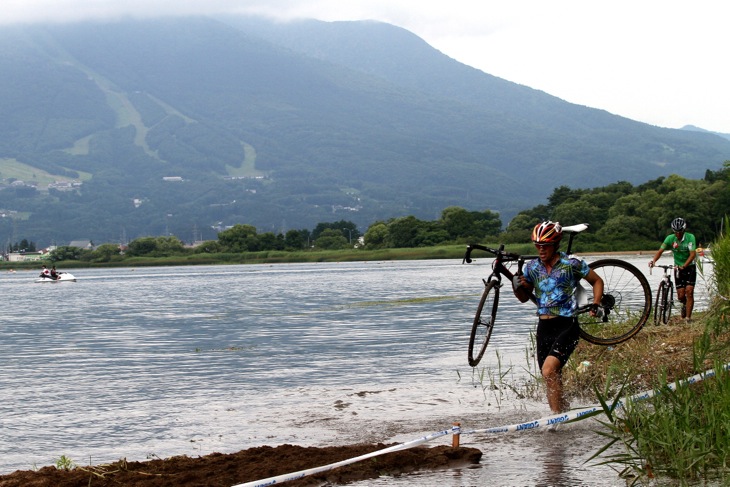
<point>684,249</point>
<point>554,278</point>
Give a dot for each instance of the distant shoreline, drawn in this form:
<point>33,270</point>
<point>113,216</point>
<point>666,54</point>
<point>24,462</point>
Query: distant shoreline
<point>455,252</point>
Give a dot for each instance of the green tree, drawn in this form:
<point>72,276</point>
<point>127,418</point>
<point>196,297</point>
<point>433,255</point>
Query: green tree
<point>209,247</point>
<point>458,222</point>
<point>403,232</point>
<point>167,246</point>
<point>579,211</point>
<point>686,198</point>
<point>239,238</point>
<point>296,239</point>
<point>106,253</point>
<point>347,228</point>
<point>142,246</point>
<point>519,230</point>
<point>271,241</point>
<point>66,252</point>
<point>376,235</point>
<point>331,239</point>
<point>474,225</point>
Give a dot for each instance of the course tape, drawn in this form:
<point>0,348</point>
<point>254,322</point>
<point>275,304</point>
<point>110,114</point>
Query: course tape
<point>548,421</point>
<point>552,421</point>
<point>312,471</point>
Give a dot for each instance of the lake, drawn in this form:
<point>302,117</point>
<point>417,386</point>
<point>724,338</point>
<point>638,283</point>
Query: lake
<point>156,362</point>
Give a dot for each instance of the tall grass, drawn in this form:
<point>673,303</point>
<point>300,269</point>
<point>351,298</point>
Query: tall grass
<point>681,433</point>
<point>506,381</point>
<point>719,283</point>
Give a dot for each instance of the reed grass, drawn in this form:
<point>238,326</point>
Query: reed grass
<point>507,381</point>
<point>682,434</point>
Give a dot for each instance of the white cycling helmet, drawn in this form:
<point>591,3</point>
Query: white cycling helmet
<point>678,224</point>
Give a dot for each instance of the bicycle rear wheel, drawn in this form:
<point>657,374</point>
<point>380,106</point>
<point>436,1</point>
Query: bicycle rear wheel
<point>626,303</point>
<point>668,301</point>
<point>481,329</point>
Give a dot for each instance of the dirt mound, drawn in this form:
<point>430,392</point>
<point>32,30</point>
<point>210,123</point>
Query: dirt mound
<point>226,470</point>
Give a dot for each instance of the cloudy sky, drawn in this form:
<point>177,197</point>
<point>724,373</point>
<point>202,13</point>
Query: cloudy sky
<point>656,61</point>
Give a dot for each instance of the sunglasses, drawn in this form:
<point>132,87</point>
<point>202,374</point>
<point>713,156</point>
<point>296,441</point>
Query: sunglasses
<point>543,245</point>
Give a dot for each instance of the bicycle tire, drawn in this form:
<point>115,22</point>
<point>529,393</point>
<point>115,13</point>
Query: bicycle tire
<point>626,302</point>
<point>668,301</point>
<point>659,303</point>
<point>481,328</point>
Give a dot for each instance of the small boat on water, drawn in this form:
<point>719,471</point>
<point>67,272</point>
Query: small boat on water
<point>60,277</point>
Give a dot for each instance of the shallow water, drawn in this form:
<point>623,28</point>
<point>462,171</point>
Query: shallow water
<point>156,362</point>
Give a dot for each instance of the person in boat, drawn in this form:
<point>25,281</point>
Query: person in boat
<point>554,278</point>
<point>45,272</point>
<point>54,274</point>
<point>684,250</point>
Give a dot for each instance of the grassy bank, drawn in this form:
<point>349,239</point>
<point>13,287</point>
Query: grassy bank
<point>266,257</point>
<point>455,252</point>
<point>682,434</point>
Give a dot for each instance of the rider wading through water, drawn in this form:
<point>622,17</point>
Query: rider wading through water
<point>553,278</point>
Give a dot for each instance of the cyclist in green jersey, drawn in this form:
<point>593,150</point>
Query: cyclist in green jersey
<point>684,249</point>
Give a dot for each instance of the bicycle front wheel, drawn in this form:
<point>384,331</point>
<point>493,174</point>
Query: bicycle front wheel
<point>660,303</point>
<point>626,303</point>
<point>481,329</point>
<point>668,301</point>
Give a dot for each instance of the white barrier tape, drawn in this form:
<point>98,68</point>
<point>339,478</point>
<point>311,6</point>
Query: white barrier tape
<point>546,421</point>
<point>456,430</point>
<point>690,380</point>
<point>316,470</point>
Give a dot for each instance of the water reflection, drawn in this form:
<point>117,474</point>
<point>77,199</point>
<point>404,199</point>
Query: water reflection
<point>553,457</point>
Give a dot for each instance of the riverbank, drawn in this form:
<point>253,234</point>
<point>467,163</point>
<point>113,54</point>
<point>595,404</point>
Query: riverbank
<point>657,351</point>
<point>455,252</point>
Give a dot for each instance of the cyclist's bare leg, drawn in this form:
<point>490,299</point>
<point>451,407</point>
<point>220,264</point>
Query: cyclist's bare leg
<point>552,373</point>
<point>689,295</point>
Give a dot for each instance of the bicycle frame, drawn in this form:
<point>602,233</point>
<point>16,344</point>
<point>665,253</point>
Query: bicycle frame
<point>624,306</point>
<point>501,258</point>
<point>664,296</point>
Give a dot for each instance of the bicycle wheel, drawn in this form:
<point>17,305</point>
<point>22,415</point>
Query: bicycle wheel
<point>481,329</point>
<point>659,303</point>
<point>626,303</point>
<point>668,301</point>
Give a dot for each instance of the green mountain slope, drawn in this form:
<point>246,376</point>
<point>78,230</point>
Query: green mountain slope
<point>180,125</point>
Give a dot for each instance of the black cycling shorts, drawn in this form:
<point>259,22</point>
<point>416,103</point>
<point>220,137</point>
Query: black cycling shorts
<point>686,276</point>
<point>557,337</point>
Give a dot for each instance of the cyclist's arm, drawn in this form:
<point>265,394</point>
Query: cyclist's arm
<point>523,292</point>
<point>597,283</point>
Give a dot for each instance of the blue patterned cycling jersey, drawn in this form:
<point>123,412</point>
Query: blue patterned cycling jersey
<point>555,292</point>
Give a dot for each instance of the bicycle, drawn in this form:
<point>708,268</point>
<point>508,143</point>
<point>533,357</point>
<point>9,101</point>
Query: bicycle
<point>664,296</point>
<point>625,304</point>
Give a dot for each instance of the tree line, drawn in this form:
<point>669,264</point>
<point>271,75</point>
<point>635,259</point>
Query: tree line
<point>620,217</point>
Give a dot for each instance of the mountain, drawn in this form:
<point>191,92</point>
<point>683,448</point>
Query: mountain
<point>698,129</point>
<point>115,130</point>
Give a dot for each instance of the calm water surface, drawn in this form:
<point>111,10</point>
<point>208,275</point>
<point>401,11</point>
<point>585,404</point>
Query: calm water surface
<point>143,363</point>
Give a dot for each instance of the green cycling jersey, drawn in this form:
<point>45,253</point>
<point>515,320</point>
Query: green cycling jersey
<point>681,248</point>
